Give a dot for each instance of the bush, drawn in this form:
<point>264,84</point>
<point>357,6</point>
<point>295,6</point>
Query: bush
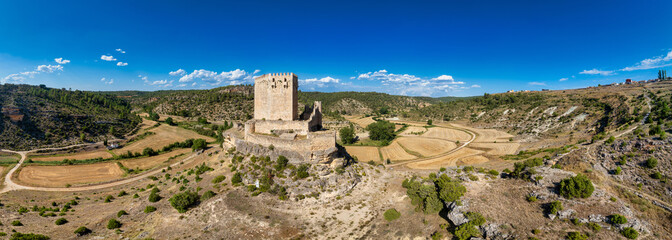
<point>596,227</point>
<point>475,218</point>
<point>651,163</point>
<point>17,223</point>
<point>149,152</point>
<point>170,121</point>
<point>183,201</point>
<point>617,219</point>
<point>576,236</point>
<point>347,134</point>
<point>28,236</point>
<point>554,207</point>
<point>81,231</point>
<point>150,209</point>
<point>449,190</point>
<point>531,198</point>
<point>381,130</point>
<point>466,231</point>
<point>391,214</point>
<point>618,170</point>
<point>113,223</point>
<point>579,186</point>
<point>237,178</point>
<point>218,179</point>
<point>61,221</point>
<point>629,233</point>
<point>154,197</point>
<point>207,195</point>
<point>302,171</point>
<point>121,213</point>
<point>656,175</point>
<point>108,198</point>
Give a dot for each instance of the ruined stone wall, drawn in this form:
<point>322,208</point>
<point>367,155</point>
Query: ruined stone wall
<point>276,97</point>
<point>316,147</point>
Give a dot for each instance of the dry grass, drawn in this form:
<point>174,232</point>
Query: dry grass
<point>449,160</point>
<point>75,156</point>
<point>395,152</point>
<point>164,135</point>
<point>150,162</point>
<point>364,153</point>
<point>59,176</point>
<point>413,129</point>
<point>498,149</point>
<point>426,146</point>
<point>362,122</point>
<point>488,135</point>
<point>448,134</point>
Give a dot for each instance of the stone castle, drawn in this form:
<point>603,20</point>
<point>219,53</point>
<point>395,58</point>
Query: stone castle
<point>279,129</point>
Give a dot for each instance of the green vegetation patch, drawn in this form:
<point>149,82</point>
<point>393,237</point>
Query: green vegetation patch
<point>391,214</point>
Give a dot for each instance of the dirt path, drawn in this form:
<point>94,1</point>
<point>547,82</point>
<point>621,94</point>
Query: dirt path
<point>10,185</point>
<point>473,137</point>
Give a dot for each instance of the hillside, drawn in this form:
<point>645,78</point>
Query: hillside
<point>34,116</point>
<point>560,117</point>
<point>236,102</point>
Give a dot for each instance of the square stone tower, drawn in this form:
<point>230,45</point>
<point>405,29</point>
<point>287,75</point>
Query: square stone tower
<point>275,97</point>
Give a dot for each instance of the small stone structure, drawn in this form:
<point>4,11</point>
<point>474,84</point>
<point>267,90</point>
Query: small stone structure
<point>278,128</point>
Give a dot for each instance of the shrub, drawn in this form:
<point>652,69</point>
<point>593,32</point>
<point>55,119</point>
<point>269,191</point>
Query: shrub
<point>618,170</point>
<point>136,195</point>
<point>121,213</point>
<point>237,178</point>
<point>475,218</point>
<point>28,236</point>
<point>466,231</point>
<point>302,171</point>
<point>108,198</point>
<point>207,195</point>
<point>531,198</point>
<point>656,175</point>
<point>17,223</point>
<point>61,221</point>
<point>113,223</point>
<point>596,227</point>
<point>449,190</point>
<point>122,193</point>
<point>199,144</point>
<point>150,209</point>
<point>617,219</point>
<point>610,140</point>
<point>154,197</point>
<point>629,233</point>
<point>651,163</point>
<point>391,214</point>
<point>579,186</point>
<point>218,179</point>
<point>183,201</point>
<point>437,236</point>
<point>576,236</point>
<point>554,207</point>
<point>81,231</point>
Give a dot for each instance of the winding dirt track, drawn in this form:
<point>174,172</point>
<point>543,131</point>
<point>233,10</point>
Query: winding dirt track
<point>10,185</point>
<point>473,137</point>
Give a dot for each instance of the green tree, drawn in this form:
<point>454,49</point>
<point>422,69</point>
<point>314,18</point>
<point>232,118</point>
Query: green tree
<point>347,134</point>
<point>449,190</point>
<point>651,163</point>
<point>81,231</point>
<point>184,201</point>
<point>28,236</point>
<point>381,130</point>
<point>199,144</point>
<point>429,122</point>
<point>391,214</point>
<point>170,121</point>
<point>154,116</point>
<point>466,231</point>
<point>579,186</point>
<point>113,223</point>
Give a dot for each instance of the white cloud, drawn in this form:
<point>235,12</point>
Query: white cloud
<point>594,71</point>
<point>121,64</point>
<point>322,80</point>
<point>233,77</point>
<point>108,58</point>
<point>649,63</point>
<point>178,72</point>
<point>61,61</point>
<point>407,84</point>
<point>537,83</point>
<point>181,85</point>
<point>119,50</point>
<point>563,79</point>
<point>19,77</point>
<point>256,71</point>
<point>159,82</point>
<point>108,82</point>
<point>49,68</point>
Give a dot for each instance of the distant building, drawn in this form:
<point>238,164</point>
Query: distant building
<point>510,91</point>
<point>628,81</point>
<point>545,90</point>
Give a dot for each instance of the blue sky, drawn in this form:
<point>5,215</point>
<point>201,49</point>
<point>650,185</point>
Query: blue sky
<point>428,48</point>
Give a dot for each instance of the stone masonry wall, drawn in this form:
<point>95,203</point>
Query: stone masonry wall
<point>276,97</point>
